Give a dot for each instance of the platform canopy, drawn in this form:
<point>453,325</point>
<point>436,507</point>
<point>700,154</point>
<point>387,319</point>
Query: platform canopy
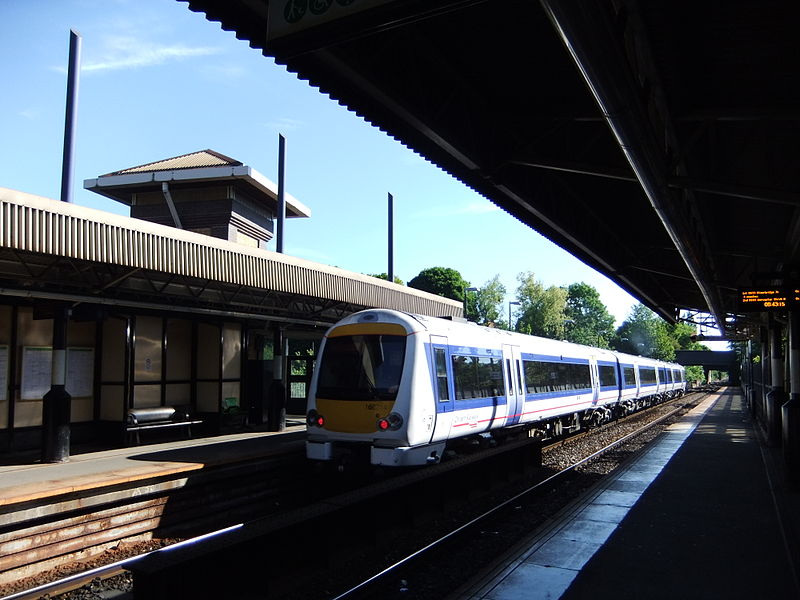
<point>655,140</point>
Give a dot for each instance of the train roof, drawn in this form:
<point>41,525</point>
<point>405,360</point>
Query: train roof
<point>452,327</point>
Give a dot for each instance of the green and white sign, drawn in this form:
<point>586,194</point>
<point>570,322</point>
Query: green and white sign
<point>287,17</point>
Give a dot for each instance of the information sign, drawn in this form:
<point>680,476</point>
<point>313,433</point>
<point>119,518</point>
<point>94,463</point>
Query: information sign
<point>768,299</point>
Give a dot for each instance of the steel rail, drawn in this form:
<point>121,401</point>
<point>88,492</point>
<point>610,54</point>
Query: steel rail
<point>78,580</point>
<point>378,577</point>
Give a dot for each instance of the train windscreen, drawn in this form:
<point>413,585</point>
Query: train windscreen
<point>361,367</point>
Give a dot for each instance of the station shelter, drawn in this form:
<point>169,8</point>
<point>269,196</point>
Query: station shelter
<point>159,315</point>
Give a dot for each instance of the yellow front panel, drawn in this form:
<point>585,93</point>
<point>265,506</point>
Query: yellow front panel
<point>353,416</point>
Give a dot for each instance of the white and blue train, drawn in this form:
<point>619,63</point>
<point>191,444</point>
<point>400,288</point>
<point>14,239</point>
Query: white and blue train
<point>403,386</point>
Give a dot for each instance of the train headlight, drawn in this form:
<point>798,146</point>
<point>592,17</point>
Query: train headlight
<point>391,423</point>
<point>314,419</point>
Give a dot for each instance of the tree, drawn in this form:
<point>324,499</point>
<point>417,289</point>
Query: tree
<point>385,277</point>
<point>645,334</point>
<point>442,281</point>
<point>486,308</point>
<point>541,311</point>
<point>587,318</point>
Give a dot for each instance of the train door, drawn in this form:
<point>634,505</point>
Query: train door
<point>515,391</point>
<point>595,373</point>
<point>443,391</point>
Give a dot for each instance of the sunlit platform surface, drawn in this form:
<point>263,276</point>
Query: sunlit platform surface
<point>703,513</point>
<point>32,481</point>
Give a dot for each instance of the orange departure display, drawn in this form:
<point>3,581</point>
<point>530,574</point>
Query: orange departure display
<point>766,299</point>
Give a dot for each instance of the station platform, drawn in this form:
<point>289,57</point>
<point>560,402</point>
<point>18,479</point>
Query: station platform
<point>703,513</point>
<point>29,481</point>
<point>52,513</point>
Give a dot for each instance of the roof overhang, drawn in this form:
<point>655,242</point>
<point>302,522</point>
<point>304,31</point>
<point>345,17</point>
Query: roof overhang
<point>122,187</point>
<point>105,259</point>
<point>655,140</point>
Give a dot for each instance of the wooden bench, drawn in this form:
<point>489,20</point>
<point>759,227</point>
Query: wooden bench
<point>158,417</point>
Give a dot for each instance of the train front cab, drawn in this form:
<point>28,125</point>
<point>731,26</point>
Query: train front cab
<point>355,390</point>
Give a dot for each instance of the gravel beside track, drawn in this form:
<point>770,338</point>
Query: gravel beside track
<point>452,565</point>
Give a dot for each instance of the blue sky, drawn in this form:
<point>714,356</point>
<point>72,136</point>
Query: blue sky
<point>158,81</point>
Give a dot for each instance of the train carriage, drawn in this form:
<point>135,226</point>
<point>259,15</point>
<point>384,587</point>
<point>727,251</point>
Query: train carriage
<point>403,386</point>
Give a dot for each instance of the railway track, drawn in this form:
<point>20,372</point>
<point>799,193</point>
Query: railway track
<point>333,505</point>
<point>400,573</point>
<point>77,528</point>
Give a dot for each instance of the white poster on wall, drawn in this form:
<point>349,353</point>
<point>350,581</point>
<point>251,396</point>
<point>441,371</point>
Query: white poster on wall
<point>80,372</point>
<point>37,363</point>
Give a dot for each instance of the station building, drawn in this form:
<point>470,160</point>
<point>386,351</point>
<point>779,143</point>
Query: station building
<point>179,304</point>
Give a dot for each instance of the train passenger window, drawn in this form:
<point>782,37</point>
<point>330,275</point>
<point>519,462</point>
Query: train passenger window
<point>537,376</point>
<point>441,374</point>
<point>629,376</point>
<point>477,377</point>
<point>647,375</point>
<point>608,375</point>
<point>543,376</point>
<point>361,367</point>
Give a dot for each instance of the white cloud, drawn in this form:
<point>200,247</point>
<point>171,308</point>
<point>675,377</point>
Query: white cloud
<point>310,254</point>
<point>471,208</point>
<point>128,52</point>
<point>224,71</point>
<point>284,124</point>
<point>32,113</point>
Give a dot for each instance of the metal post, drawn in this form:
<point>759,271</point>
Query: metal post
<point>276,413</point>
<point>777,394</point>
<point>464,306</point>
<point>765,377</point>
<point>390,271</point>
<point>509,314</point>
<point>790,411</point>
<point>56,404</point>
<point>750,379</point>
<point>281,191</point>
<point>71,115</point>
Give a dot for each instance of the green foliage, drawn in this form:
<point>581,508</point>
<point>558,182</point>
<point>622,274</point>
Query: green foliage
<point>485,306</point>
<point>695,373</point>
<point>442,281</point>
<point>587,318</point>
<point>541,310</point>
<point>645,334</point>
<point>385,277</point>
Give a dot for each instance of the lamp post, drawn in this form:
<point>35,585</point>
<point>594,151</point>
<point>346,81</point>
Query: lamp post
<point>390,269</point>
<point>509,314</point>
<point>464,296</point>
